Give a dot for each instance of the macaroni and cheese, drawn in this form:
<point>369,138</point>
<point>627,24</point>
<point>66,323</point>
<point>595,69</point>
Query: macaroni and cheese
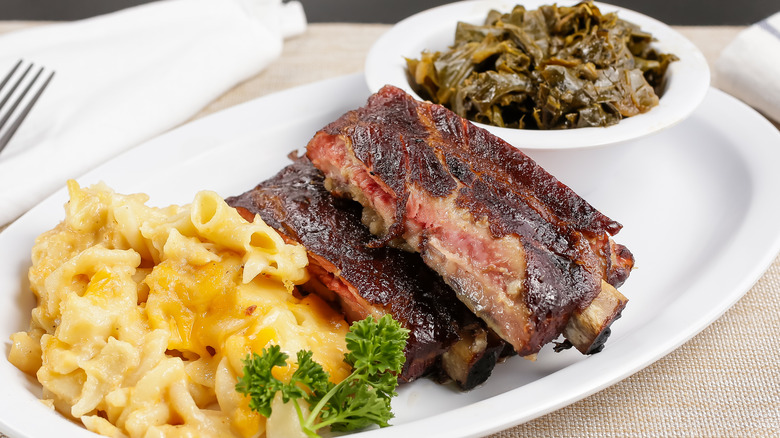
<point>145,313</point>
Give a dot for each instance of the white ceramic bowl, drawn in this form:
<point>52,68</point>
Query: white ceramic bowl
<point>568,154</point>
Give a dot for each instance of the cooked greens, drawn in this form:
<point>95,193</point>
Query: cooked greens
<point>548,68</point>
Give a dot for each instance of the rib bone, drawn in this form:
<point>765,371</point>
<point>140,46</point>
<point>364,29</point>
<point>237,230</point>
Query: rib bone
<point>589,329</point>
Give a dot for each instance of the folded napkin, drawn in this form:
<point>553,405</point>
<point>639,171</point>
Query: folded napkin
<point>749,67</point>
<point>127,76</point>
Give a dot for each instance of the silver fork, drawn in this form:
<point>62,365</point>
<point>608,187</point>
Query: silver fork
<point>6,136</point>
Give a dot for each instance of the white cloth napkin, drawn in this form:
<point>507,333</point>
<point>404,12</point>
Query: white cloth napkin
<point>749,67</point>
<point>124,77</point>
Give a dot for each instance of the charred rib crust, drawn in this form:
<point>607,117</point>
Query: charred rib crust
<point>411,146</point>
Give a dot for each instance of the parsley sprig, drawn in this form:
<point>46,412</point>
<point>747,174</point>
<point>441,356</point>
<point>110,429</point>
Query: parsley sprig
<point>376,355</point>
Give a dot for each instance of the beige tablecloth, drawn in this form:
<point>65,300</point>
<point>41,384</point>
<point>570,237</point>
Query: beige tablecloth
<point>723,382</point>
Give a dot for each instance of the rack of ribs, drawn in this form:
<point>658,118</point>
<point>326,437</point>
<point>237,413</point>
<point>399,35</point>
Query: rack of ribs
<point>446,339</point>
<point>523,251</point>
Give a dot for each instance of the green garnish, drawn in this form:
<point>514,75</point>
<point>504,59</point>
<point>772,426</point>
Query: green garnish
<point>376,354</point>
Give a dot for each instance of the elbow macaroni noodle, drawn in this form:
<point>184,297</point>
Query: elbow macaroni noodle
<point>144,314</point>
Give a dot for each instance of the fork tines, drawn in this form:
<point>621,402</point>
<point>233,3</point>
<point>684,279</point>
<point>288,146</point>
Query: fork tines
<point>10,92</point>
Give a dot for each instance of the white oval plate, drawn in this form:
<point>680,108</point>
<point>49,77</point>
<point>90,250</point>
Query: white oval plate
<point>434,30</point>
<point>703,230</point>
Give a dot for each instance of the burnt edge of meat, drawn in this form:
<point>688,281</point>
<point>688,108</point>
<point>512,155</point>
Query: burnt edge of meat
<point>464,152</point>
<point>296,203</point>
<point>471,360</point>
<point>406,143</point>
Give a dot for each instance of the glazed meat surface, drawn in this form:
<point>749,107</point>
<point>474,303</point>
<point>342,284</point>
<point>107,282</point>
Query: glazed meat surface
<point>522,250</point>
<point>445,337</point>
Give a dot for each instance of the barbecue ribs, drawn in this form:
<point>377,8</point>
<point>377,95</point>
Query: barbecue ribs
<point>522,250</point>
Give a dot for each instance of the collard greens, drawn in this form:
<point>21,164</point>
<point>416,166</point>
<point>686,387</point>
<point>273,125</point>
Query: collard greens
<point>549,68</point>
